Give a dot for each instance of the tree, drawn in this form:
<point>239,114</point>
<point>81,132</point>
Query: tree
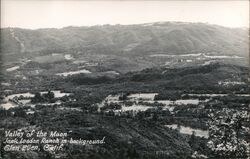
<point>224,129</point>
<point>2,144</point>
<point>50,95</point>
<point>155,116</point>
<point>19,112</point>
<point>123,97</point>
<point>193,142</point>
<point>37,98</point>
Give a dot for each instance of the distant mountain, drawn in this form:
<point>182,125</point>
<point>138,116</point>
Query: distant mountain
<point>134,40</point>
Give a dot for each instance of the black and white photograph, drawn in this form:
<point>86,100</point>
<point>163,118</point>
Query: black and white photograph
<point>124,79</point>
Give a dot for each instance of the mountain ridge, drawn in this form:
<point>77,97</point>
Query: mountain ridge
<point>138,39</point>
<point>146,23</point>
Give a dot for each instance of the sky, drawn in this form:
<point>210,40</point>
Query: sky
<point>35,14</point>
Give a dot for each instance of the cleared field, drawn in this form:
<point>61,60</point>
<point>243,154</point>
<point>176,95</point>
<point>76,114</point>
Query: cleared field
<point>49,58</point>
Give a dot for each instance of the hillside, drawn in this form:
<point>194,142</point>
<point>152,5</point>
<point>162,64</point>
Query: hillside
<point>136,40</point>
